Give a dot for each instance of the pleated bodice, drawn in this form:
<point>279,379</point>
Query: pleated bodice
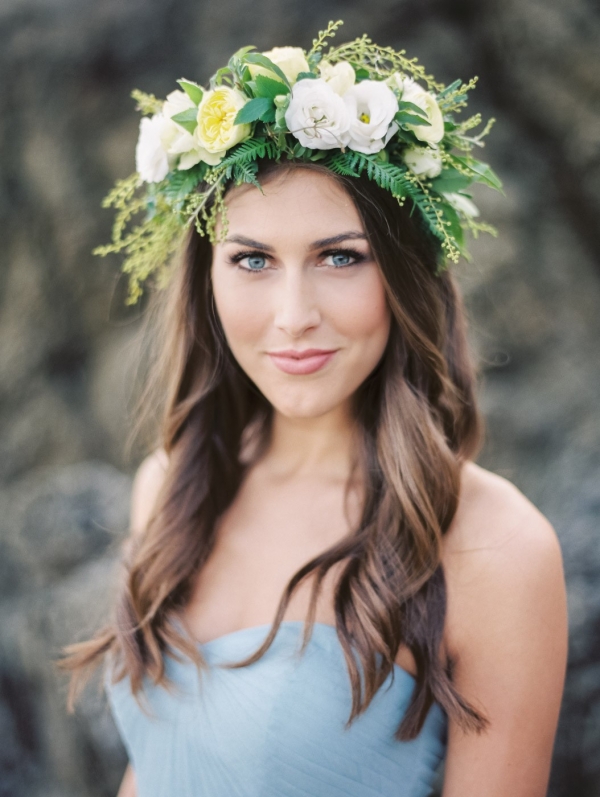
<point>276,727</point>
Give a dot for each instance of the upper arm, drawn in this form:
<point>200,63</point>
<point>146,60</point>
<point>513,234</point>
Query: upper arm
<point>507,635</point>
<point>147,483</point>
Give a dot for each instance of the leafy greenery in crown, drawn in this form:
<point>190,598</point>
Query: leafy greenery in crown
<point>356,108</point>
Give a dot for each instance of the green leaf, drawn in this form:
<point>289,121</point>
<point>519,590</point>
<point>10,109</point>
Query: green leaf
<point>222,75</point>
<point>261,60</point>
<point>264,86</point>
<point>411,107</point>
<point>299,150</point>
<point>483,172</point>
<point>460,98</point>
<point>410,119</point>
<point>407,136</point>
<point>243,51</point>
<point>361,73</point>
<point>452,87</point>
<point>187,119</point>
<point>193,90</point>
<point>183,182</point>
<point>235,62</point>
<point>269,116</point>
<point>280,123</point>
<point>254,110</point>
<point>487,175</point>
<point>450,181</point>
<point>313,60</point>
<point>306,76</point>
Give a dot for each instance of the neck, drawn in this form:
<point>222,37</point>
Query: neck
<point>317,447</point>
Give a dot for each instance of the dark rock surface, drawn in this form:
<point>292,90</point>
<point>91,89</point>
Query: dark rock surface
<point>67,348</point>
<point>60,531</point>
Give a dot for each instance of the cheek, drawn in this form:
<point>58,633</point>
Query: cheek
<point>362,313</point>
<point>245,321</point>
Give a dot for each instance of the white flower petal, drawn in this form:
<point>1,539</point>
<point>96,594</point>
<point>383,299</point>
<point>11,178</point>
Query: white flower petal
<point>340,76</point>
<point>291,61</point>
<point>372,106</point>
<point>411,91</point>
<point>317,116</point>
<point>462,203</point>
<point>151,159</point>
<point>423,161</point>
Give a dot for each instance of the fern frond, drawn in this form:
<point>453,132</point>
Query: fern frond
<point>246,173</point>
<point>248,151</point>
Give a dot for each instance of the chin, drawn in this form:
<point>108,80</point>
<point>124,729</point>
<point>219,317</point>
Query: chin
<point>302,402</point>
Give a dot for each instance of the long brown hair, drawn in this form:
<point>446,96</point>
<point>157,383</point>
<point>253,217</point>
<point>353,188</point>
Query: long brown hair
<point>417,423</point>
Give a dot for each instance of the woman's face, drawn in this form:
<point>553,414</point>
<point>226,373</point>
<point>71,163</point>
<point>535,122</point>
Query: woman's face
<point>300,298</point>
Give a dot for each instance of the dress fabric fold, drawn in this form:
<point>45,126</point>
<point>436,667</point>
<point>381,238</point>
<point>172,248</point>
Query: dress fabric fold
<point>275,728</point>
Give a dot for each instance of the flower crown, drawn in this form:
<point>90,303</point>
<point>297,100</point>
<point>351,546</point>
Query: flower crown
<point>356,108</point>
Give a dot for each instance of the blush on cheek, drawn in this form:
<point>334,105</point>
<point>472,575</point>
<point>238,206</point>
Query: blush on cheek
<point>363,310</point>
<point>242,321</point>
<point>239,312</point>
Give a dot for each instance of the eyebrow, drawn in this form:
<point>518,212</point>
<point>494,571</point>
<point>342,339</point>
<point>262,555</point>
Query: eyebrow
<point>336,239</point>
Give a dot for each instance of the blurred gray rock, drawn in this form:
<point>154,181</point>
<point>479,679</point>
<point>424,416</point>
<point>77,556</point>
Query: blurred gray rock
<point>54,520</point>
<point>68,357</point>
<point>60,528</point>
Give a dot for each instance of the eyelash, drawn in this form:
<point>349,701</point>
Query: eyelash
<point>358,257</point>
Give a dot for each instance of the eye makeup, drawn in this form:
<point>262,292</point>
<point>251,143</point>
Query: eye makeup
<point>357,257</point>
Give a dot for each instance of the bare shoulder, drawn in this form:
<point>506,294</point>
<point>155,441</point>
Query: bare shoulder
<point>494,515</point>
<point>501,554</point>
<point>147,483</point>
<point>506,635</point>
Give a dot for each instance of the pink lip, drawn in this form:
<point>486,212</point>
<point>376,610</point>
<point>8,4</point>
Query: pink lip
<point>301,362</point>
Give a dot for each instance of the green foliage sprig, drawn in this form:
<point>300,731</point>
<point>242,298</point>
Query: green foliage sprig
<point>154,211</point>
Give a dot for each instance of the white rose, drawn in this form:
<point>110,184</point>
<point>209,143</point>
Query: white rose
<point>291,61</point>
<point>423,161</point>
<point>151,158</point>
<point>412,92</point>
<point>176,102</point>
<point>462,203</point>
<point>339,76</point>
<point>317,116</point>
<point>372,106</point>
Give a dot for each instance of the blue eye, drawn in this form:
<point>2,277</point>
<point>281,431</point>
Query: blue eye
<point>256,262</point>
<point>341,259</point>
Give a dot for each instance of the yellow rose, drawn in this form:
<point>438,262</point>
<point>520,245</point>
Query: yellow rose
<point>216,131</point>
<point>291,61</point>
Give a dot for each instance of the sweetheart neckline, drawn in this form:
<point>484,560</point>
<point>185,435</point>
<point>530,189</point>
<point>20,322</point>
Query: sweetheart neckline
<point>284,623</point>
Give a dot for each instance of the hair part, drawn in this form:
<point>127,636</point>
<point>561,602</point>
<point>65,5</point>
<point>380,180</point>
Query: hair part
<point>417,422</point>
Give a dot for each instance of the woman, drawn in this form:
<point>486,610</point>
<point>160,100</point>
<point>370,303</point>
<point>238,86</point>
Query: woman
<point>316,464</point>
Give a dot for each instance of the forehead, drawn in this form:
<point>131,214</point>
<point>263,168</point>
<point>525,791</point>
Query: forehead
<point>298,202</point>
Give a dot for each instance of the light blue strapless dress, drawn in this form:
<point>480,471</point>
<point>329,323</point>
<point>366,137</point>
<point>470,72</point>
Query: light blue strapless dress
<point>276,727</point>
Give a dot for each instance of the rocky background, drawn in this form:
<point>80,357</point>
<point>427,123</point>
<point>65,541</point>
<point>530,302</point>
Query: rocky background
<point>67,351</point>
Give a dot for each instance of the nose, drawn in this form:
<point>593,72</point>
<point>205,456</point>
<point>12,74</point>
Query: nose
<point>296,306</point>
